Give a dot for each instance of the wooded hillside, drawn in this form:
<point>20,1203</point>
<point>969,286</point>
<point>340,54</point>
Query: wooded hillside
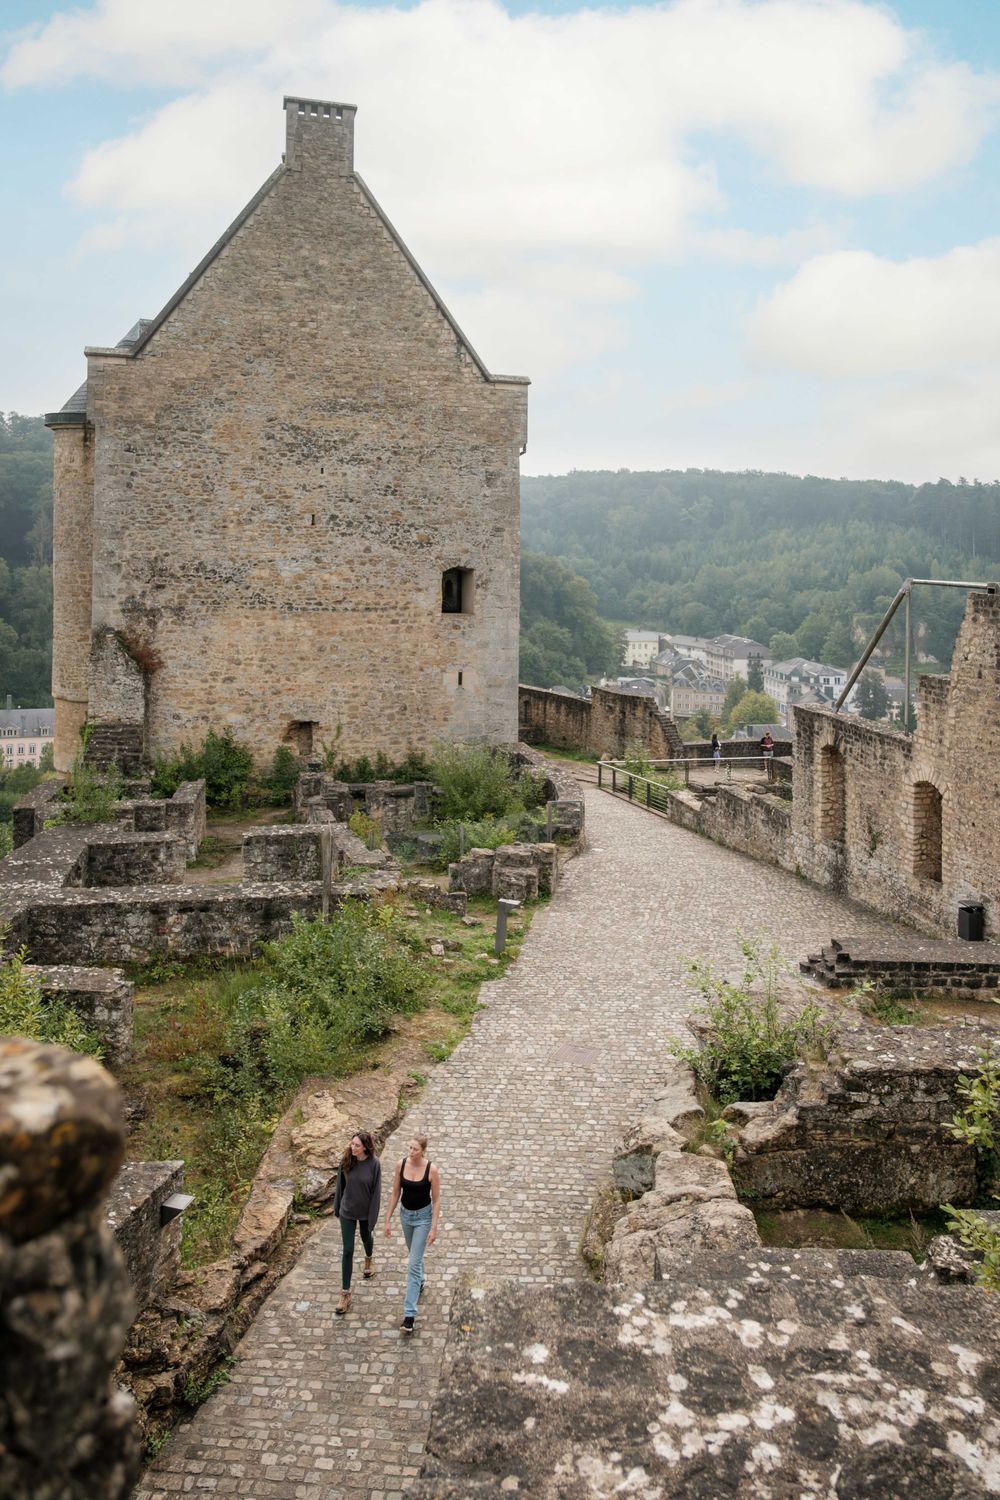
<point>702,551</point>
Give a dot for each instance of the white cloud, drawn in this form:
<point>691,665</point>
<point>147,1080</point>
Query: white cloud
<point>145,41</point>
<point>744,247</point>
<point>852,314</point>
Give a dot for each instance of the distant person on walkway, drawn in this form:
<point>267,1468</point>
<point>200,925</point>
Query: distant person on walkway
<point>356,1204</point>
<point>716,752</point>
<point>419,1185</point>
<point>767,751</point>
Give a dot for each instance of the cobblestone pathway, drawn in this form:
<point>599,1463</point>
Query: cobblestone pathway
<point>521,1119</point>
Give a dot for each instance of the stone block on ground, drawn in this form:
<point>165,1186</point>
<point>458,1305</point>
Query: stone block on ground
<point>738,1383</point>
<point>512,883</point>
<point>473,873</point>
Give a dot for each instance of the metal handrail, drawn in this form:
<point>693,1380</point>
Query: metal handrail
<point>629,778</point>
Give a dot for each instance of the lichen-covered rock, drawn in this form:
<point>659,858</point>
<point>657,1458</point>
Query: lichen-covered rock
<point>61,1137</point>
<point>757,1375</point>
<point>66,1432</point>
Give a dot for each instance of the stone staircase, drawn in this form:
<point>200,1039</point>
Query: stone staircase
<point>917,966</point>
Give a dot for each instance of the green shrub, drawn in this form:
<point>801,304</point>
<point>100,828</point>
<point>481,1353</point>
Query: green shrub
<point>368,830</point>
<point>490,833</point>
<point>282,779</point>
<point>225,763</point>
<point>92,795</point>
<point>25,1012</point>
<point>327,989</point>
<point>746,1045</point>
<point>413,768</point>
<point>475,782</point>
<point>6,840</point>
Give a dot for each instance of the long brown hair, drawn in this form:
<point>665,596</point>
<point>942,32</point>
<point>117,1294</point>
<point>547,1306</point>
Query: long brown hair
<point>348,1159</point>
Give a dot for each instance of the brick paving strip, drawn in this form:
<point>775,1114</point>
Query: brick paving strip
<point>522,1120</point>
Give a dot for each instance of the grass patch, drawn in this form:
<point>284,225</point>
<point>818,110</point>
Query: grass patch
<point>802,1228</point>
<point>212,852</point>
<point>555,752</point>
<point>888,1010</point>
<point>220,1046</point>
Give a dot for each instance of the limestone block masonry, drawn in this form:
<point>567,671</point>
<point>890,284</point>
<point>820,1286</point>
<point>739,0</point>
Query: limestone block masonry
<point>276,473</point>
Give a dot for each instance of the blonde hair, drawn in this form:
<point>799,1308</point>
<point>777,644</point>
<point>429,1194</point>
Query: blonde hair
<point>419,1135</point>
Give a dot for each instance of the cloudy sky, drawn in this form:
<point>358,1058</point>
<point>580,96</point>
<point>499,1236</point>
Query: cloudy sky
<point>718,233</point>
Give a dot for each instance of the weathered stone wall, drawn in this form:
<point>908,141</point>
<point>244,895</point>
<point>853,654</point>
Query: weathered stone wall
<point>123,858</point>
<point>133,925</point>
<point>555,719</point>
<point>72,584</point>
<point>102,998</point>
<point>754,822</point>
<point>908,824</point>
<point>611,724</point>
<point>151,1249</point>
<point>318,443</point>
<point>66,1431</point>
<point>30,813</point>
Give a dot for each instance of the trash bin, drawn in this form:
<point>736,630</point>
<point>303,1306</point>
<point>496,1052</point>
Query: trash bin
<point>971,921</point>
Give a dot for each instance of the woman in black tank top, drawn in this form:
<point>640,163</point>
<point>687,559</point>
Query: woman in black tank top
<point>418,1184</point>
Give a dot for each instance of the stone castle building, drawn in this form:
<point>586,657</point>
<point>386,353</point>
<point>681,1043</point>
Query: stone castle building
<point>288,504</point>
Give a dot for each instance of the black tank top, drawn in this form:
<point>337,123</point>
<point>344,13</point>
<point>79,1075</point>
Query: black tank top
<point>416,1194</point>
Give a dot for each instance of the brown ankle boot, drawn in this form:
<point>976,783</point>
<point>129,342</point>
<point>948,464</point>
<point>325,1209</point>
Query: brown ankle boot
<point>343,1305</point>
<point>369,1267</point>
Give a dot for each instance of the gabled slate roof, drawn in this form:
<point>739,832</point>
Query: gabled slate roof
<point>74,412</point>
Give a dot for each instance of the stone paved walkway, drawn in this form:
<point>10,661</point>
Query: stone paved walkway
<point>522,1120</point>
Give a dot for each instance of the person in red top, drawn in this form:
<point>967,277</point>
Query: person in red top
<point>418,1184</point>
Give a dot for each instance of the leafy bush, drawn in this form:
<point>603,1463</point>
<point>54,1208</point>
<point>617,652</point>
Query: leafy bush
<point>412,768</point>
<point>976,1125</point>
<point>365,828</point>
<point>327,987</point>
<point>282,778</point>
<point>25,1012</point>
<point>490,833</point>
<point>225,763</point>
<point>92,794</point>
<point>747,1046</point>
<point>475,782</point>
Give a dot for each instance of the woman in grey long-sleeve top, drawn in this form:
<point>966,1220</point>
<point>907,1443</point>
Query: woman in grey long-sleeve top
<point>356,1205</point>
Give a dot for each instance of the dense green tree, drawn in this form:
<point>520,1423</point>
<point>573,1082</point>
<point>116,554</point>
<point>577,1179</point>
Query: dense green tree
<point>755,676</point>
<point>563,638</point>
<point>783,646</point>
<point>752,708</point>
<point>872,698</point>
<point>25,560</point>
<point>735,688</point>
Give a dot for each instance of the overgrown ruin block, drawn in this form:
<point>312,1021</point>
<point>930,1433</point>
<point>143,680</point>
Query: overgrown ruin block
<point>151,1249</point>
<point>473,873</point>
<point>865,1132</point>
<point>102,998</point>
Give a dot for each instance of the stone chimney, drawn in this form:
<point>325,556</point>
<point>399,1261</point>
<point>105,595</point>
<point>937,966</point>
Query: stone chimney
<point>319,134</point>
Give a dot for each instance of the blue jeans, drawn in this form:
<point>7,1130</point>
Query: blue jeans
<point>416,1224</point>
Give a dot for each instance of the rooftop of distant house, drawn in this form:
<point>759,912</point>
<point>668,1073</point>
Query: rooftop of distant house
<point>806,667</point>
<point>739,645</point>
<point>27,723</point>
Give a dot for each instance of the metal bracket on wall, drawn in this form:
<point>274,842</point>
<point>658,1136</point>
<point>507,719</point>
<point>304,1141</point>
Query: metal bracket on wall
<point>904,596</point>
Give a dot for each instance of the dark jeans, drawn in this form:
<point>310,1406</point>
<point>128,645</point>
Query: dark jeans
<point>347,1229</point>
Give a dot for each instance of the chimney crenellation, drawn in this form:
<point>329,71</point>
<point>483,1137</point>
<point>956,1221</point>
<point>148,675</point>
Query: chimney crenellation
<point>320,129</point>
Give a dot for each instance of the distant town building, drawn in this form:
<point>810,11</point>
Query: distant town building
<point>692,689</point>
<point>641,646</point>
<point>732,656</point>
<point>24,733</point>
<point>801,682</point>
<point>693,646</point>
